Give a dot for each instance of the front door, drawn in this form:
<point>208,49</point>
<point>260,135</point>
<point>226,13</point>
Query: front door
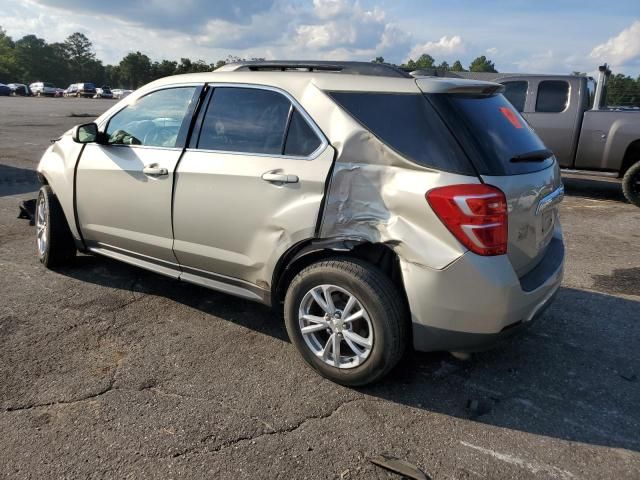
<point>251,186</point>
<point>124,187</point>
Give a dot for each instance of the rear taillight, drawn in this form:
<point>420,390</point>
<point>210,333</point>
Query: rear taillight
<point>476,214</point>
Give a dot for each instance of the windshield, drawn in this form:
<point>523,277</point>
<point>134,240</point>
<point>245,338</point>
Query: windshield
<point>492,133</point>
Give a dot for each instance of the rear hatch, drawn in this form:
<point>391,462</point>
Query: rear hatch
<point>507,154</point>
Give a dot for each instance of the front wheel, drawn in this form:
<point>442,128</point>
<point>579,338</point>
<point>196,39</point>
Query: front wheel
<point>631,184</point>
<point>347,320</point>
<point>54,241</point>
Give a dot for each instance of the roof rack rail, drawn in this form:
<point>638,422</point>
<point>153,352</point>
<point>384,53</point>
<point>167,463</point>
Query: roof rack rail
<point>353,68</point>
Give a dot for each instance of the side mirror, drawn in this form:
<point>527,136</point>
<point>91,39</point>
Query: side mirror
<point>87,133</point>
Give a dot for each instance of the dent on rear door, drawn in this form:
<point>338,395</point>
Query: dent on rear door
<point>228,221</point>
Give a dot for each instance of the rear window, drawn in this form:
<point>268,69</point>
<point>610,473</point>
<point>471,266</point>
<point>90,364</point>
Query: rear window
<point>553,96</point>
<point>89,86</point>
<point>491,131</point>
<point>408,124</point>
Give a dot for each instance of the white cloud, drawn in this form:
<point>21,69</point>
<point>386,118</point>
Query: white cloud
<point>492,51</point>
<point>343,29</point>
<point>543,62</point>
<point>443,47</point>
<point>623,49</point>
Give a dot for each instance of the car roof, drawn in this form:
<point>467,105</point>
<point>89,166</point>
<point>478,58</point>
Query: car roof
<point>296,81</point>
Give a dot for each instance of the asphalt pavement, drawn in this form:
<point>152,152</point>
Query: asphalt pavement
<point>109,371</point>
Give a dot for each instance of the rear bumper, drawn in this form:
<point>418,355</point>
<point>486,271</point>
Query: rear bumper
<point>478,301</point>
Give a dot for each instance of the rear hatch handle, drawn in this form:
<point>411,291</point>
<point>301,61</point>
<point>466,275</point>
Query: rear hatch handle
<point>550,200</point>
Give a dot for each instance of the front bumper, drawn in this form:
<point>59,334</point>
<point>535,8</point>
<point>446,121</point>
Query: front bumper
<point>478,301</point>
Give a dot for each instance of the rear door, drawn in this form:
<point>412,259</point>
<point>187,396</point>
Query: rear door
<point>124,188</point>
<point>250,185</point>
<point>509,155</point>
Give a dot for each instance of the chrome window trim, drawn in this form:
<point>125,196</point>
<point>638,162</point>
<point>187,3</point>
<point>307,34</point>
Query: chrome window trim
<point>143,147</point>
<point>324,143</point>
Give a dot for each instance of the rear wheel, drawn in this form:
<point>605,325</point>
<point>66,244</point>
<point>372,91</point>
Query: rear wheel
<point>54,241</point>
<point>347,320</point>
<point>631,184</point>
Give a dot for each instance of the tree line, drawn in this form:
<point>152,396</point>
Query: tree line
<point>427,62</point>
<point>74,60</point>
<point>31,59</point>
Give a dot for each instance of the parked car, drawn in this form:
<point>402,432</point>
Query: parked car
<point>19,89</point>
<point>435,222</point>
<point>571,116</point>
<point>5,90</point>
<point>70,91</point>
<point>40,89</point>
<point>87,90</point>
<point>120,93</point>
<point>103,92</point>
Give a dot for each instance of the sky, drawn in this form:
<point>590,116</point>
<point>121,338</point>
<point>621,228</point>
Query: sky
<point>535,36</point>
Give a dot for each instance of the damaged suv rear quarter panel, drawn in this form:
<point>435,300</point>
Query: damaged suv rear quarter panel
<point>377,196</point>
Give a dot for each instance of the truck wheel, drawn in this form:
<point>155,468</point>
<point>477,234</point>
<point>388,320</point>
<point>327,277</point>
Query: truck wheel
<point>347,320</point>
<point>54,241</point>
<point>631,184</point>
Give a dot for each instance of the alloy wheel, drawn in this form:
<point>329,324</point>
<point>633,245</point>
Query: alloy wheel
<point>335,326</point>
<point>41,225</point>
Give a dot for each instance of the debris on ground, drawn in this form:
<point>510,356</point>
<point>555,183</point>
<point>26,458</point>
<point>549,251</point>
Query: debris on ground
<point>28,210</point>
<point>629,376</point>
<point>401,467</point>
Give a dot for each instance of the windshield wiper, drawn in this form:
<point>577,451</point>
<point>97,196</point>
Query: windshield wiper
<point>535,156</point>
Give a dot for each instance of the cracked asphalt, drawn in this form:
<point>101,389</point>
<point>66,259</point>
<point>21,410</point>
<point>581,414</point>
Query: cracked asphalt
<point>109,371</point>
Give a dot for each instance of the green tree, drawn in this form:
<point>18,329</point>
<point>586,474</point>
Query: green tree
<point>457,67</point>
<point>444,66</point>
<point>9,69</point>
<point>424,61</point>
<point>482,64</point>
<point>34,58</point>
<point>135,69</point>
<point>378,60</point>
<point>83,65</point>
<point>163,69</point>
<point>622,91</point>
<point>112,75</point>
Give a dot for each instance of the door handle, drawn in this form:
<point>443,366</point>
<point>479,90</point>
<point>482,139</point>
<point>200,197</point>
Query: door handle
<point>279,178</point>
<point>154,170</point>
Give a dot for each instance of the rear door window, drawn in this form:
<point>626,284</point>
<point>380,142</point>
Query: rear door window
<point>301,139</point>
<point>245,120</point>
<point>408,124</point>
<point>491,132</point>
<point>553,96</point>
<point>516,93</point>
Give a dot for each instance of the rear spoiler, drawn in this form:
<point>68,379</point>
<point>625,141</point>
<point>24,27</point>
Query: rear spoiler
<point>458,85</point>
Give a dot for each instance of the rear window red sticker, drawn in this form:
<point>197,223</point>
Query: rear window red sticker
<point>511,116</point>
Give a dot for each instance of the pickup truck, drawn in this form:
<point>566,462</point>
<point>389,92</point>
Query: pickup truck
<point>570,114</point>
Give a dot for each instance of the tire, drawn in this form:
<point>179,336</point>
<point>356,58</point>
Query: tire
<point>631,184</point>
<point>383,322</point>
<point>58,248</point>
